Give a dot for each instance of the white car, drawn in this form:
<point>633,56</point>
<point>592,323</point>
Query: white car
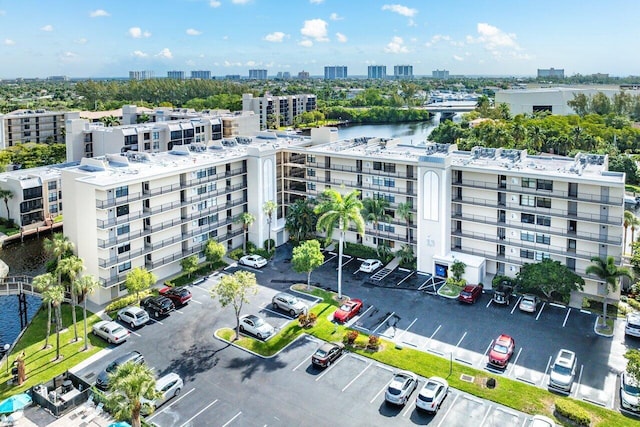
<point>256,326</point>
<point>542,421</point>
<point>289,303</point>
<point>563,371</point>
<point>629,393</point>
<point>134,316</point>
<point>255,261</point>
<point>632,326</point>
<point>112,332</point>
<point>401,387</point>
<point>169,386</point>
<point>370,265</point>
<point>432,394</point>
<point>528,303</point>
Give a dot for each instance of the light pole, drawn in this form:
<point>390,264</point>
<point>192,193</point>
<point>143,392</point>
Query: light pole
<point>6,353</point>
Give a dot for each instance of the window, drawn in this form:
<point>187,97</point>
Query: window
<point>545,184</point>
<point>200,238</point>
<point>526,254</point>
<point>122,210</point>
<point>53,208</point>
<point>156,145</point>
<point>311,159</point>
<point>527,218</point>
<point>386,227</point>
<point>311,186</point>
<point>201,190</point>
<point>543,220</point>
<point>386,167</point>
<point>124,248</point>
<point>542,255</point>
<point>527,201</point>
<point>543,202</point>
<point>382,196</point>
<point>527,237</point>
<point>528,183</point>
<point>53,197</point>
<point>123,229</point>
<point>543,238</point>
<point>202,173</point>
<point>155,135</point>
<point>385,182</point>
<point>52,185</point>
<point>122,191</point>
<point>124,267</point>
<point>311,172</point>
<point>202,206</point>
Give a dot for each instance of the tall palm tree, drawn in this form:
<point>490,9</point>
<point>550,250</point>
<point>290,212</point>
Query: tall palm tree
<point>628,218</point>
<point>610,273</point>
<point>58,245</point>
<point>635,222</point>
<point>301,219</point>
<point>375,211</point>
<point>405,211</point>
<point>6,195</point>
<point>334,210</point>
<point>247,220</point>
<point>54,295</point>
<point>130,383</point>
<point>269,208</point>
<point>85,285</point>
<point>42,283</point>
<point>71,267</point>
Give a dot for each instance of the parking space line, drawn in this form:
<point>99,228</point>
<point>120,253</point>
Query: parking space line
<point>157,321</point>
<point>407,408</point>
<point>352,321</point>
<point>302,363</point>
<point>381,390</point>
<point>405,278</point>
<point>463,335</point>
<point>566,318</point>
<point>489,303</point>
<point>357,376</point>
<point>486,415</point>
<point>134,333</point>
<point>405,330</point>
<point>330,259</point>
<point>516,305</point>
<point>540,312</point>
<point>484,355</point>
<point>199,412</point>
<point>446,414</point>
<point>553,304</point>
<point>545,371</point>
<point>345,263</point>
<point>515,362</point>
<point>575,394</point>
<point>178,311</point>
<point>383,322</point>
<point>431,337</point>
<point>277,313</point>
<point>231,420</point>
<point>171,404</point>
<point>384,367</point>
<point>326,371</point>
<point>197,302</point>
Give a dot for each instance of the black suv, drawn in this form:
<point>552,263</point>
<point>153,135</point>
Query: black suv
<point>102,382</point>
<point>502,294</point>
<point>157,306</point>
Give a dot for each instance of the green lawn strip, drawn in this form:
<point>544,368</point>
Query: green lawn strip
<point>40,364</point>
<point>449,290</point>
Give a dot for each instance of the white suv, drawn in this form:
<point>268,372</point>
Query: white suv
<point>632,327</point>
<point>133,316</point>
<point>287,302</point>
<point>563,371</point>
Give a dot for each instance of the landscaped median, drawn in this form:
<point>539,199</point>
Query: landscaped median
<point>511,393</point>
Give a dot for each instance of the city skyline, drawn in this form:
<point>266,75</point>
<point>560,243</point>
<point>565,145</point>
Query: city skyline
<point>108,39</point>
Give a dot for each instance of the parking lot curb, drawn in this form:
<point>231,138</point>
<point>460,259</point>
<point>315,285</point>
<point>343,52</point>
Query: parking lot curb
<point>258,354</point>
<point>595,329</point>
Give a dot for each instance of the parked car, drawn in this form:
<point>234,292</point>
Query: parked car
<point>179,295</point>
<point>401,387</point>
<point>102,381</point>
<point>502,294</point>
<point>169,386</point>
<point>629,393</point>
<point>110,331</point>
<point>470,293</point>
<point>347,310</point>
<point>632,325</point>
<point>134,316</point>
<point>256,326</point>
<point>158,306</point>
<point>370,265</point>
<point>528,303</point>
<point>542,421</point>
<point>563,371</point>
<point>432,394</point>
<point>255,261</point>
<point>327,353</point>
<point>289,303</point>
<point>501,351</point>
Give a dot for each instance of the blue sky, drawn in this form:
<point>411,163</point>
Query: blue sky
<point>85,38</point>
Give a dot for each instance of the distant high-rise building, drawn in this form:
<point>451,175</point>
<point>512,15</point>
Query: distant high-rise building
<point>303,75</point>
<point>177,75</point>
<point>551,72</point>
<point>141,75</point>
<point>58,78</point>
<point>403,71</point>
<point>258,74</point>
<point>201,74</point>
<point>283,75</point>
<point>440,74</point>
<point>377,72</point>
<point>335,72</point>
<point>278,110</point>
<point>232,77</point>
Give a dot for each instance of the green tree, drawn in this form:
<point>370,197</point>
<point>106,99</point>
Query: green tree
<point>307,257</point>
<point>247,220</point>
<point>54,295</point>
<point>633,364</point>
<point>579,104</point>
<point>110,121</point>
<point>214,251</point>
<point>406,255</point>
<point>610,274</point>
<point>6,195</point>
<point>138,280</point>
<point>626,164</point>
<point>269,208</point>
<point>129,384</point>
<point>189,264</point>
<point>233,290</point>
<point>635,222</point>
<point>405,211</point>
<point>301,220</point>
<point>550,278</point>
<point>628,219</point>
<point>71,267</point>
<point>333,211</point>
<point>375,211</point>
<point>59,246</point>
<point>42,283</point>
<point>84,286</point>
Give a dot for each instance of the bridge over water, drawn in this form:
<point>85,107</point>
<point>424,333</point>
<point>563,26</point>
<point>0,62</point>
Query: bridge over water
<point>451,106</point>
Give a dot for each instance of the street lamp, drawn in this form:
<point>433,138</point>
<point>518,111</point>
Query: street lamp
<point>6,353</point>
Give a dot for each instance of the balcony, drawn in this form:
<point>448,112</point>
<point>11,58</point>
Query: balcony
<point>363,171</point>
<point>133,197</point>
<point>363,185</point>
<point>210,178</point>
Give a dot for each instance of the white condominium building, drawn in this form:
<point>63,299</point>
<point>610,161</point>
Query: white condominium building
<point>276,111</point>
<point>39,126</point>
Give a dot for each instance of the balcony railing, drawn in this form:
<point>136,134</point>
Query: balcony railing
<point>363,185</point>
<point>363,171</point>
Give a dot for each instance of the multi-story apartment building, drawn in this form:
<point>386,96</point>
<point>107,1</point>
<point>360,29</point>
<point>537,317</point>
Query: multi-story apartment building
<point>551,72</point>
<point>402,72</point>
<point>141,75</point>
<point>201,74</point>
<point>440,74</point>
<point>258,74</point>
<point>39,126</point>
<point>176,75</point>
<point>275,111</point>
<point>377,72</point>
<point>303,75</point>
<point>335,72</point>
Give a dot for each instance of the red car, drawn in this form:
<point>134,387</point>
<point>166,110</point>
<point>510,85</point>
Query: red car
<point>179,296</point>
<point>347,310</point>
<point>470,294</point>
<point>501,351</point>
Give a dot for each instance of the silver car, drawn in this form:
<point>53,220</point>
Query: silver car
<point>528,303</point>
<point>401,387</point>
<point>134,316</point>
<point>629,393</point>
<point>169,386</point>
<point>110,331</point>
<point>287,302</point>
<point>256,326</point>
<point>563,371</point>
<point>432,394</point>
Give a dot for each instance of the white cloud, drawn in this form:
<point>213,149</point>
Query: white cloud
<point>137,33</point>
<point>139,54</point>
<point>69,55</point>
<point>193,32</point>
<point>315,29</point>
<point>215,3</point>
<point>47,28</point>
<point>316,1</point>
<point>165,53</point>
<point>341,37</point>
<point>251,63</point>
<point>335,17</point>
<point>458,58</point>
<point>400,10</point>
<point>240,1</point>
<point>305,43</point>
<point>275,37</point>
<point>396,45</point>
<point>9,42</point>
<point>81,40</point>
<point>232,64</point>
<point>98,13</point>
<point>493,37</point>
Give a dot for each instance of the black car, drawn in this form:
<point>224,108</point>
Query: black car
<point>102,382</point>
<point>157,306</point>
<point>502,294</point>
<point>327,353</point>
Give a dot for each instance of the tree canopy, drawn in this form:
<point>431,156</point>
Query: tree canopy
<point>307,257</point>
<point>138,280</point>
<point>551,278</point>
<point>233,290</point>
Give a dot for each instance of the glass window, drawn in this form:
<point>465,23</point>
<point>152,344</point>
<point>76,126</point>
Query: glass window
<point>528,183</point>
<point>527,237</point>
<point>124,248</point>
<point>545,184</point>
<point>543,238</point>
<point>527,218</point>
<point>527,200</point>
<point>542,255</point>
<point>122,210</point>
<point>526,254</point>
<point>124,267</point>
<point>123,229</point>
<point>543,220</point>
<point>543,202</point>
<point>311,172</point>
<point>122,191</point>
<point>52,185</point>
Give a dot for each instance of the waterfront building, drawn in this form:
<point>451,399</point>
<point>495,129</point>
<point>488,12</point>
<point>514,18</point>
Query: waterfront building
<point>335,72</point>
<point>551,72</point>
<point>402,72</point>
<point>276,111</point>
<point>176,75</point>
<point>39,126</point>
<point>258,74</point>
<point>377,72</point>
<point>201,74</point>
<point>440,74</point>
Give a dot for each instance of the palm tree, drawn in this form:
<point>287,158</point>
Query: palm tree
<point>610,273</point>
<point>58,245</point>
<point>54,295</point>
<point>269,208</point>
<point>628,219</point>
<point>301,219</point>
<point>42,283</point>
<point>375,212</point>
<point>130,383</point>
<point>247,220</point>
<point>334,210</point>
<point>405,211</point>
<point>634,226</point>
<point>85,285</point>
<point>6,195</point>
<point>71,267</point>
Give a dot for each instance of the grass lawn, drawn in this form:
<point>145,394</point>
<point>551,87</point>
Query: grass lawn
<point>450,290</point>
<point>40,364</point>
<point>511,393</point>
